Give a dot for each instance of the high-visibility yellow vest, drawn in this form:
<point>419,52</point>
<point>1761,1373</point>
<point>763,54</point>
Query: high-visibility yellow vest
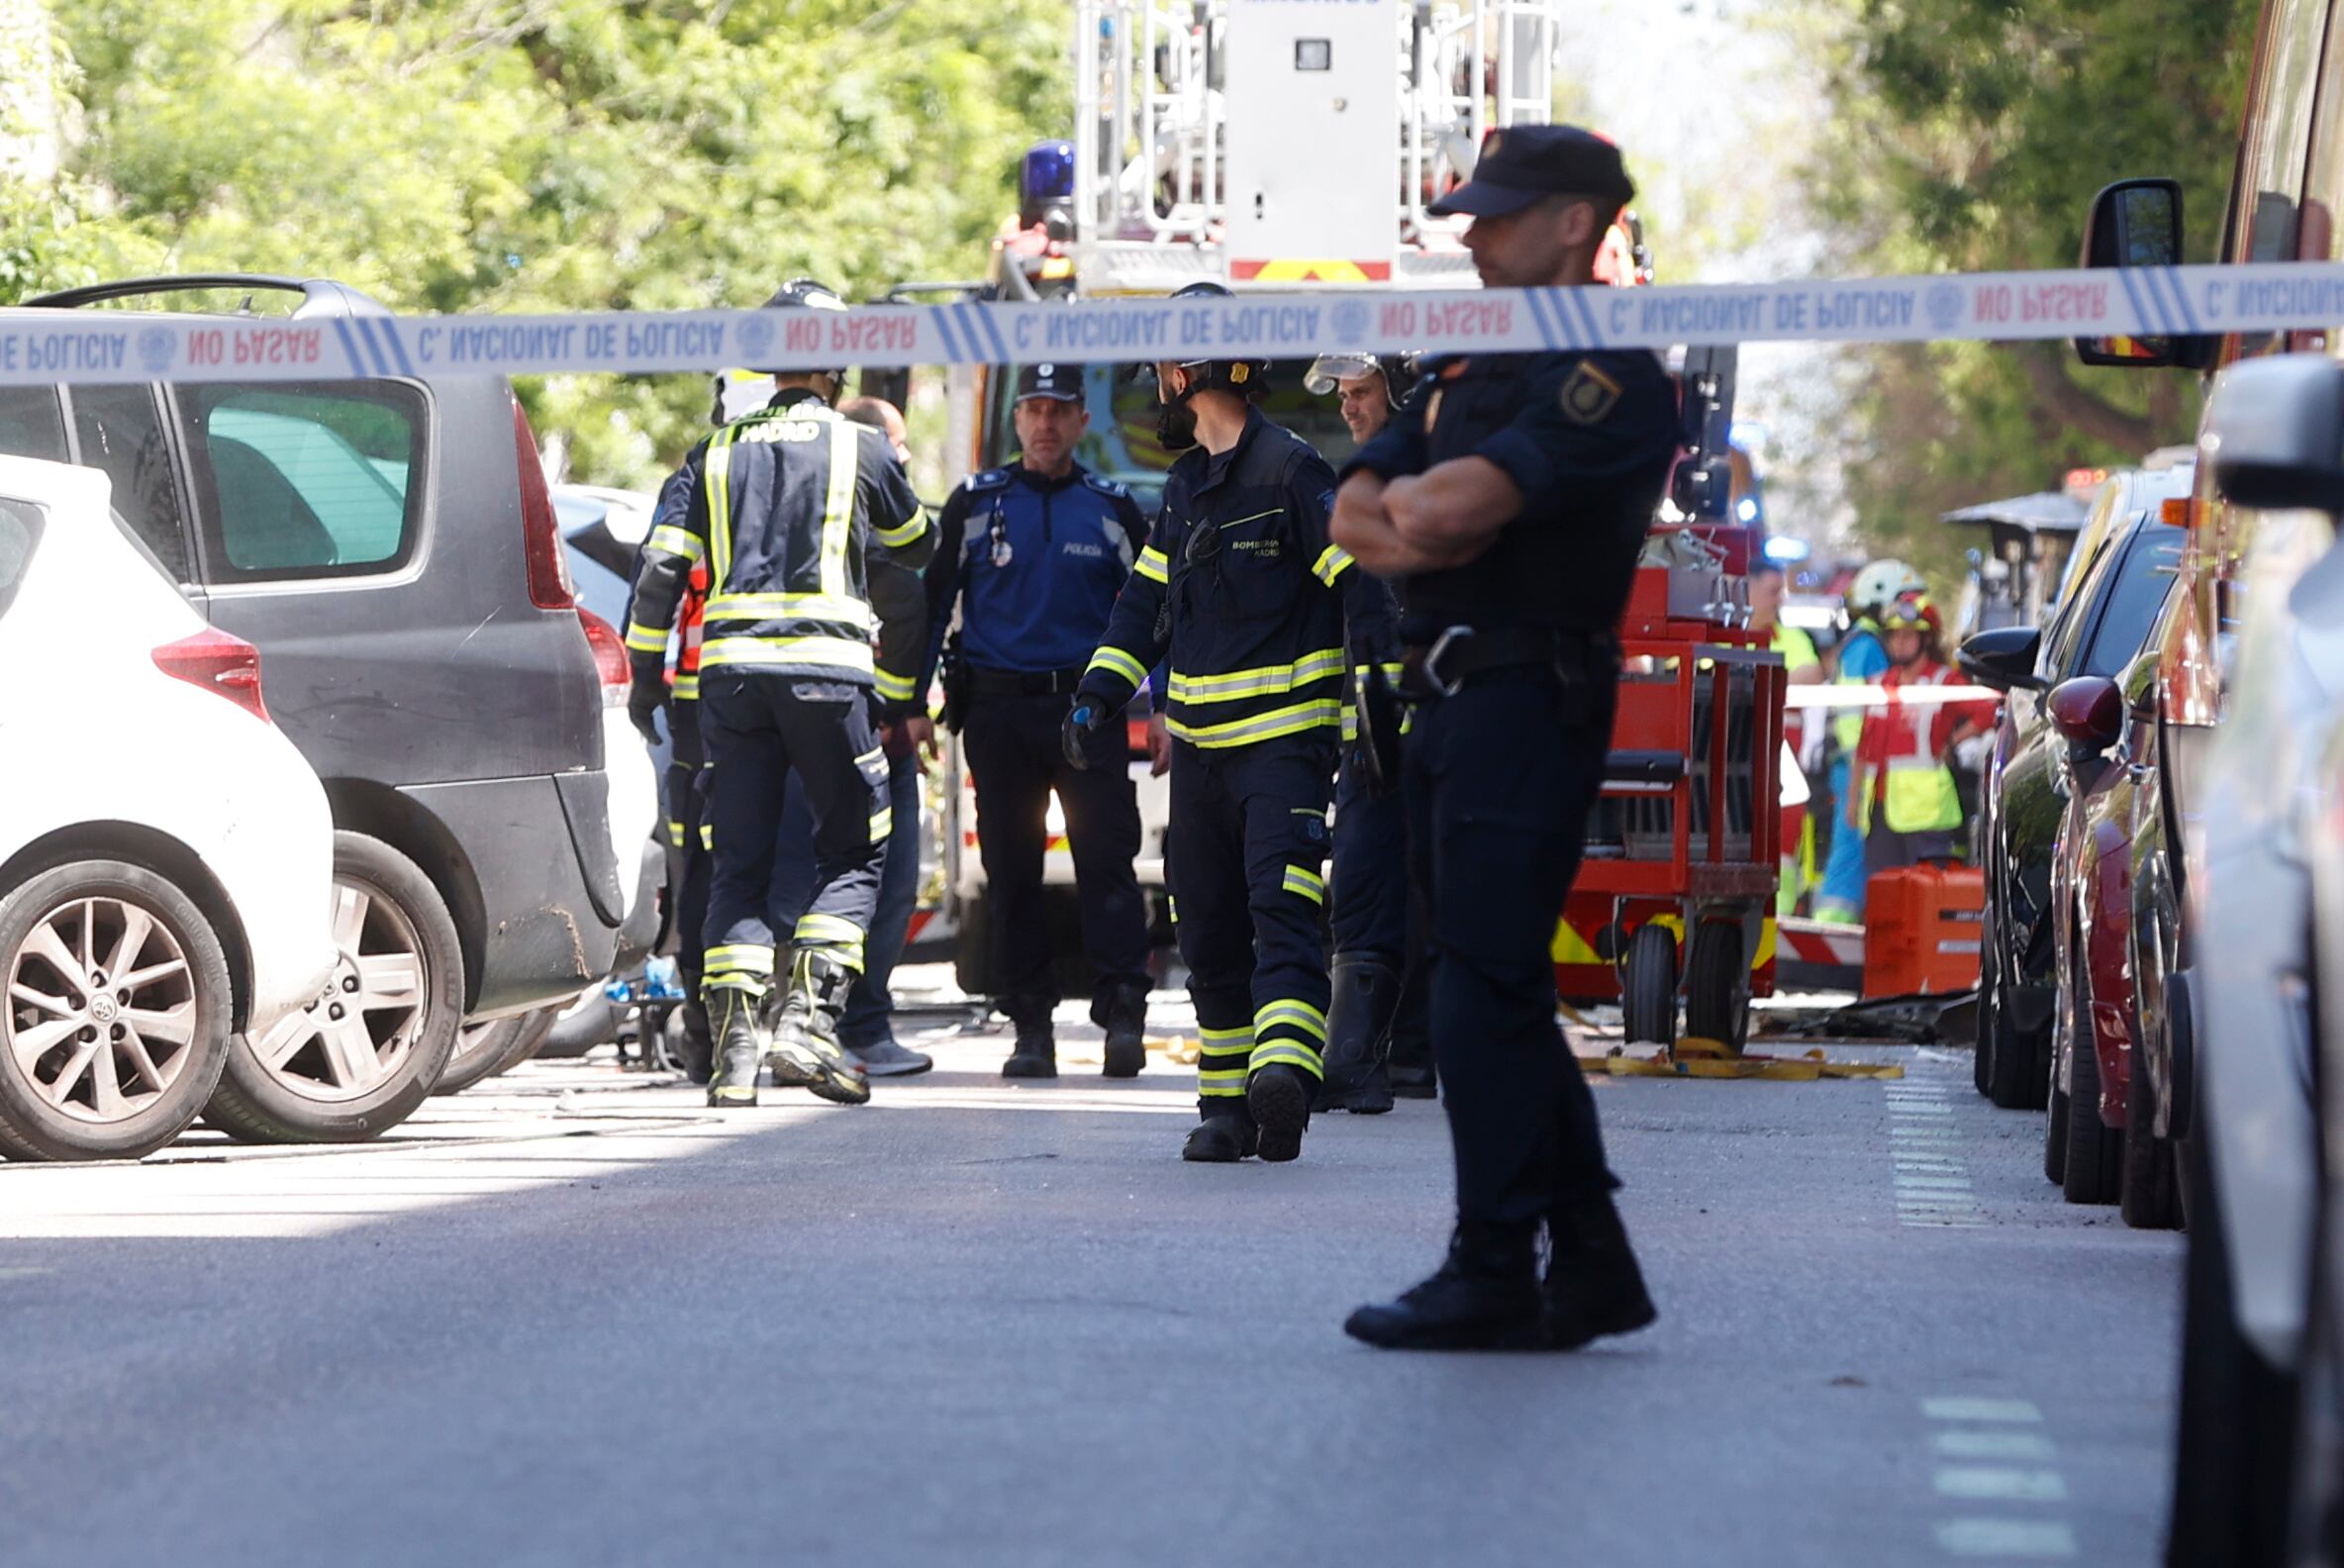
<point>1919,796</point>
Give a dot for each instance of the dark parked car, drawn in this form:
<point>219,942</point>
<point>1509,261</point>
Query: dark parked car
<point>391,548</point>
<point>2124,566</point>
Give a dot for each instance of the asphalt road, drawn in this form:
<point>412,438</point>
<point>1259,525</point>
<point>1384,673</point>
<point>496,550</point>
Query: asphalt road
<point>572,1319</point>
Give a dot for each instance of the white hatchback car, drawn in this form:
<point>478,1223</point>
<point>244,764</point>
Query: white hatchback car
<point>165,854</point>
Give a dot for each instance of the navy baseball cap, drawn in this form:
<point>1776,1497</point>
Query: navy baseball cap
<point>1521,165</point>
<point>1060,383</point>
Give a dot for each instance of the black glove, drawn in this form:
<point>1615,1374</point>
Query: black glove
<point>645,698</point>
<point>1379,711</point>
<point>1087,714</point>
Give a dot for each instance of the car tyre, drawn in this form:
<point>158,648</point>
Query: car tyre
<point>367,1052</point>
<point>2055,1131</point>
<point>2147,1197</point>
<point>1990,1015</point>
<point>486,1050</point>
<point>2095,1150</point>
<point>2018,1066</point>
<point>88,1067</point>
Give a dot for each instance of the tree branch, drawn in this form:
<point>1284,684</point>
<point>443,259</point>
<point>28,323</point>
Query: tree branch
<point>2077,408</point>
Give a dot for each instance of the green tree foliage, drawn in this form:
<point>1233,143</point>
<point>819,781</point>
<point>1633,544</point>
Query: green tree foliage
<point>545,154</point>
<point>1970,135</point>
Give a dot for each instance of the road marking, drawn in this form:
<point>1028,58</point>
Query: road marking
<point>1969,1443</point>
<point>1965,1408</point>
<point>2002,1484</point>
<point>1996,1538</point>
<point>1931,1180</point>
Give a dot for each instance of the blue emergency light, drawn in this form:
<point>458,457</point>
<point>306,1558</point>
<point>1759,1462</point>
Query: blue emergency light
<point>1045,179</point>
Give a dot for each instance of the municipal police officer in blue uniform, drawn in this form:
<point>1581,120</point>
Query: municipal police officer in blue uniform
<point>1510,498</point>
<point>1034,555</point>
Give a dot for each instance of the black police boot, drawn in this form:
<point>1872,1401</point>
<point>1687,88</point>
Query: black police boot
<point>698,1049</point>
<point>733,1013</point>
<point>1036,1056</point>
<point>1123,1012</point>
<point>1592,1285</point>
<point>1409,1060</point>
<point>1220,1139</point>
<point>806,1052</point>
<point>1485,1297</point>
<point>1279,1096</point>
<point>1366,990</point>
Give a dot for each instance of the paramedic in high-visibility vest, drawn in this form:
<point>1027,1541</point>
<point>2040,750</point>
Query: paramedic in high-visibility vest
<point>1802,666</point>
<point>1859,660</point>
<point>1901,787</point>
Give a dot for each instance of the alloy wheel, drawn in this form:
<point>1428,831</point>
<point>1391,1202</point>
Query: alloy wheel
<point>102,1009</point>
<point>367,1020</point>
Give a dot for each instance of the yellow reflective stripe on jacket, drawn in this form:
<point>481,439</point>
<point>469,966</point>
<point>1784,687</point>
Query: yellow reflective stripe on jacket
<point>716,475</point>
<point>1153,566</point>
<point>1310,884</point>
<point>837,513</point>
<point>675,540</point>
<point>882,824</point>
<point>641,638</point>
<point>904,533</point>
<point>1115,662</point>
<point>1261,726</point>
<point>687,688</point>
<point>843,654</point>
<point>1331,563</point>
<point>1267,681</point>
<point>844,609</point>
<point>893,687</point>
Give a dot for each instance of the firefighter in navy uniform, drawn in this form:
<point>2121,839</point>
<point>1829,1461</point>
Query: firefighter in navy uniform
<point>687,809</point>
<point>1240,585</point>
<point>1034,555</point>
<point>799,513</point>
<point>1510,498</point>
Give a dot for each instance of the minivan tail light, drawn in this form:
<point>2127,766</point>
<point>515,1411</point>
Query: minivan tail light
<point>217,661</point>
<point>550,585</point>
<point>610,666</point>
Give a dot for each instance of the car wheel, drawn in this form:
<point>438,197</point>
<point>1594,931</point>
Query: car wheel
<point>1990,1013</point>
<point>361,1057</point>
<point>2095,1150</point>
<point>2147,1198</point>
<point>2055,1131</point>
<point>484,1051</point>
<point>119,1008</point>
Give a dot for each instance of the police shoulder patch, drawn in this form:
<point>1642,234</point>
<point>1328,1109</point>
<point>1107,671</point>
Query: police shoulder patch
<point>1589,395</point>
<point>1106,486</point>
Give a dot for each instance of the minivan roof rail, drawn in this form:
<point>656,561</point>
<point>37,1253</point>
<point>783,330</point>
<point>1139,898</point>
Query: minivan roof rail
<point>319,296</point>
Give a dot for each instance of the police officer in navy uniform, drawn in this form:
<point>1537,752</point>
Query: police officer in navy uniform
<point>1034,555</point>
<point>1241,590</point>
<point>801,518</point>
<point>1510,498</point>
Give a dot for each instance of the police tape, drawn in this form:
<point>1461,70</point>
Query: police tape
<point>1852,696</point>
<point>39,348</point>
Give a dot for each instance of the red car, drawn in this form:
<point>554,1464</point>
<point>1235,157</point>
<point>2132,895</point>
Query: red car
<point>2108,785</point>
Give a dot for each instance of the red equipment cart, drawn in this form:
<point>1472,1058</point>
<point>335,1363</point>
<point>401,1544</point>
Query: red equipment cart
<point>1676,893</point>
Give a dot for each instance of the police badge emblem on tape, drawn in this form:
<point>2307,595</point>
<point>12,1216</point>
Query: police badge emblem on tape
<point>1587,395</point>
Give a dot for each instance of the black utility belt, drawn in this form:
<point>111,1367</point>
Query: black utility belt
<point>1022,683</point>
<point>1442,667</point>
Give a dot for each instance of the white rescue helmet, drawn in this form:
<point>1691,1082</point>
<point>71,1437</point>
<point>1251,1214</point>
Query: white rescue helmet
<point>1329,372</point>
<point>1879,585</point>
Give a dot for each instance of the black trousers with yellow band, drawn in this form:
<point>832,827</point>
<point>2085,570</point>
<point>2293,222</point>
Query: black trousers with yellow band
<point>1244,864</point>
<point>757,725</point>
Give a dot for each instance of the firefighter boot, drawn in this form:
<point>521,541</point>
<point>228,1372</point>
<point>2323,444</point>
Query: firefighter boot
<point>1410,1053</point>
<point>1124,1011</point>
<point>1483,1296</point>
<point>1592,1284</point>
<point>1279,1096</point>
<point>733,1014</point>
<point>806,1051</point>
<point>1036,1056</point>
<point>1358,1024</point>
<point>698,1049</point>
<point>1220,1139</point>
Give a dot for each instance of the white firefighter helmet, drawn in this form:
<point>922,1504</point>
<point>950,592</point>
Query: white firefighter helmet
<point>1877,586</point>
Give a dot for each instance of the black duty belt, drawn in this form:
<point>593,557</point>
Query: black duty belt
<point>1459,653</point>
<point>1021,683</point>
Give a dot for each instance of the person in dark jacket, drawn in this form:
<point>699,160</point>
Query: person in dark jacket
<point>1034,556</point>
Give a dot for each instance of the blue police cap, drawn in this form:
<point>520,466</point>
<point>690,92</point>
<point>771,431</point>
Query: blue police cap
<point>1522,163</point>
<point>1060,383</point>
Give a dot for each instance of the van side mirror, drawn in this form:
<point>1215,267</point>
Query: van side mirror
<point>2089,712</point>
<point>2275,433</point>
<point>2137,223</point>
<point>2003,658</point>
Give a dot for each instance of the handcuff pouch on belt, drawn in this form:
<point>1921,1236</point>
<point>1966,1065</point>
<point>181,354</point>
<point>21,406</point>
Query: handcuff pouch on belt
<point>955,682</point>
